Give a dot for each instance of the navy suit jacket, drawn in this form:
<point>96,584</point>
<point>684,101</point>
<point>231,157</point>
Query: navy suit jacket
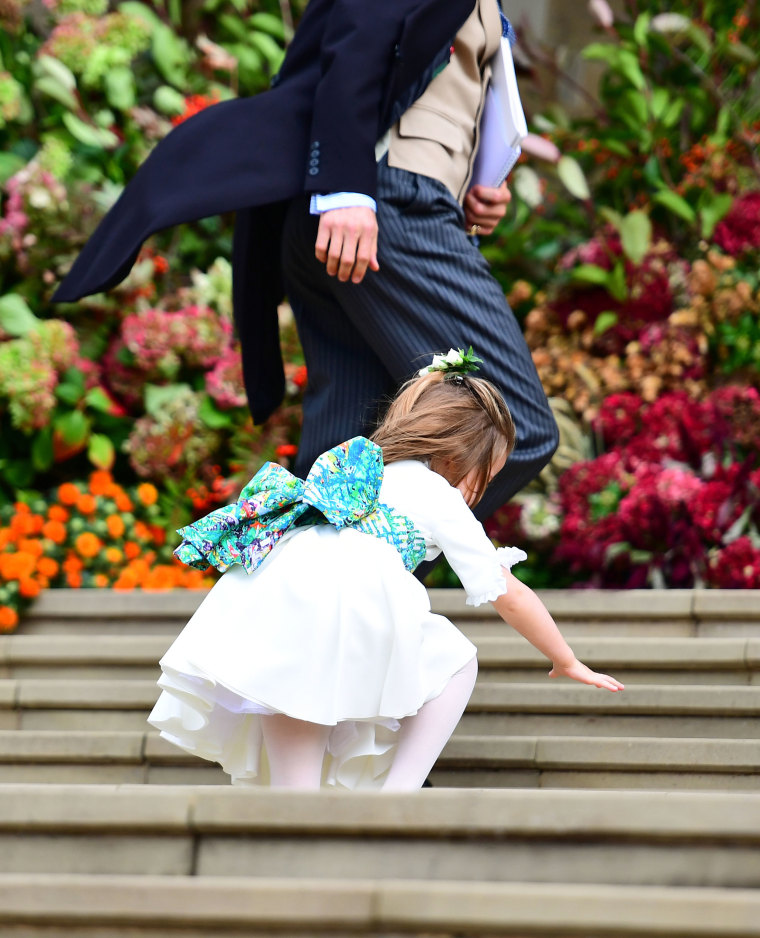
<point>352,69</point>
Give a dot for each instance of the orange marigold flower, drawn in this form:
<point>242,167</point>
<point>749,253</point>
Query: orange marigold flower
<point>123,501</point>
<point>36,523</point>
<point>17,566</point>
<point>22,525</point>
<point>158,534</point>
<point>142,531</point>
<point>22,508</point>
<point>114,555</point>
<point>31,546</point>
<point>8,618</point>
<point>6,536</point>
<point>55,531</point>
<point>286,449</point>
<point>127,580</point>
<point>115,525</point>
<point>100,580</point>
<point>147,493</point>
<point>68,493</point>
<point>58,513</point>
<point>132,550</point>
<point>72,562</point>
<point>160,264</point>
<point>73,580</point>
<point>88,544</point>
<point>87,504</point>
<point>28,588</point>
<point>100,482</point>
<point>47,567</point>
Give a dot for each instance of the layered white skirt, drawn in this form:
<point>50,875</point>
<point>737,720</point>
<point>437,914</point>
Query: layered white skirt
<point>330,629</point>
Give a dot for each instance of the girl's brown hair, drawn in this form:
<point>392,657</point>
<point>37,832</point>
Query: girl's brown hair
<point>456,423</point>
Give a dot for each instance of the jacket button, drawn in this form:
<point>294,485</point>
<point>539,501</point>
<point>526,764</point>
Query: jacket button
<point>313,171</point>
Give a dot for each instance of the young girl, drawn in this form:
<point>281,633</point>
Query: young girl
<point>317,650</point>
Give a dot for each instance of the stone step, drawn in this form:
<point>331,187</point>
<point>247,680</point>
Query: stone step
<point>694,839</point>
<point>502,657</point>
<point>38,703</point>
<point>467,761</point>
<point>44,906</point>
<point>656,613</point>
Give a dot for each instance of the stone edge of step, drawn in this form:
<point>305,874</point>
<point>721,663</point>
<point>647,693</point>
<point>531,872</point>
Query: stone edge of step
<point>371,904</point>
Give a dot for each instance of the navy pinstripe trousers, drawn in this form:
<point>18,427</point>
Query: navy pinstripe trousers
<point>433,291</point>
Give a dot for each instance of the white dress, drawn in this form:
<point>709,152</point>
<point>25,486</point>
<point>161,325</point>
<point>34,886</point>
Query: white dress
<point>332,629</point>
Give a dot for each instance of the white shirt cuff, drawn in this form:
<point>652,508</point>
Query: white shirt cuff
<point>326,203</point>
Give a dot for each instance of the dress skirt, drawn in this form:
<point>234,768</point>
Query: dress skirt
<point>331,629</point>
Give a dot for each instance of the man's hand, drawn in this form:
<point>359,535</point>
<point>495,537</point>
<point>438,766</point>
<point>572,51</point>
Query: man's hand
<point>485,207</point>
<point>347,242</point>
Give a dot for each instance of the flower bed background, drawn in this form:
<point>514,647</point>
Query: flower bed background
<point>630,254</point>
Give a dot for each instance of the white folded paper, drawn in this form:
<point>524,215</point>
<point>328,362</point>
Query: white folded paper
<point>502,126</point>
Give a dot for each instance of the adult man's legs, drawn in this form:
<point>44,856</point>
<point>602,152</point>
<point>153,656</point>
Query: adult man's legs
<point>433,291</point>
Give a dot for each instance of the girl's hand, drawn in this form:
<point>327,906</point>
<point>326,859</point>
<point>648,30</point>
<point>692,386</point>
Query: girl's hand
<point>579,672</point>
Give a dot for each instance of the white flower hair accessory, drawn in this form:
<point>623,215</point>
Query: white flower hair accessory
<point>455,361</point>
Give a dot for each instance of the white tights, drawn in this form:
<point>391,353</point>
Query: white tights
<point>296,749</point>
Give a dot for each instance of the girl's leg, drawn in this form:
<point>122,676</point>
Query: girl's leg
<point>296,751</point>
<point>423,736</point>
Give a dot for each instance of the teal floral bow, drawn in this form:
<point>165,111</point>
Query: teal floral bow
<point>342,488</point>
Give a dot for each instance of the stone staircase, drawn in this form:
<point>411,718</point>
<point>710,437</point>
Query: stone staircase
<point>557,809</point>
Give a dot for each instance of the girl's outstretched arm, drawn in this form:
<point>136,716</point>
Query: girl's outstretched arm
<point>524,611</point>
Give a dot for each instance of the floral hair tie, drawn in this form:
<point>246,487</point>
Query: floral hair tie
<point>455,361</point>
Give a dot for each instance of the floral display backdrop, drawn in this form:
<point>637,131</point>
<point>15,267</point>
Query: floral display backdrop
<point>630,255</point>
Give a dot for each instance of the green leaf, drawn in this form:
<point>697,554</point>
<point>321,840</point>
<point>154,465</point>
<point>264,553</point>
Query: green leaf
<point>527,185</point>
<point>713,211</point>
<point>671,117</point>
<point>652,172</point>
<point>53,89</point>
<point>605,321</point>
<point>602,51</point>
<point>53,68</point>
<point>676,204</point>
<point>98,400</point>
<point>97,137</point>
<point>168,100</point>
<point>141,12</point>
<point>617,286</point>
<point>264,44</point>
<point>611,215</point>
<point>10,164</point>
<point>636,235</point>
<point>635,109</point>
<point>234,26</point>
<point>590,273</point>
<point>19,473</point>
<point>617,146</point>
<point>660,100</point>
<point>120,88</point>
<point>741,53</point>
<point>268,23</point>
<point>74,427</point>
<point>629,67</point>
<point>69,393</point>
<point>100,451</point>
<point>170,55</point>
<point>641,29</point>
<point>699,37</point>
<point>16,318</point>
<point>157,396</point>
<point>723,124</point>
<point>573,178</point>
<point>42,450</point>
<point>213,417</point>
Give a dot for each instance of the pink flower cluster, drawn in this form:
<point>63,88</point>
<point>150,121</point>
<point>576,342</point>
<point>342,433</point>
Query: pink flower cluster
<point>155,344</point>
<point>676,500</point>
<point>651,287</point>
<point>739,231</point>
<point>224,382</point>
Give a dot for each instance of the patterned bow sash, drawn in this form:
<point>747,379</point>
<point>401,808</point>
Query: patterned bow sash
<point>342,489</point>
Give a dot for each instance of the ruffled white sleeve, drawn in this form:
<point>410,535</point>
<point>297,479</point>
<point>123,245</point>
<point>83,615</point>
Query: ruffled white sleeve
<point>443,516</point>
